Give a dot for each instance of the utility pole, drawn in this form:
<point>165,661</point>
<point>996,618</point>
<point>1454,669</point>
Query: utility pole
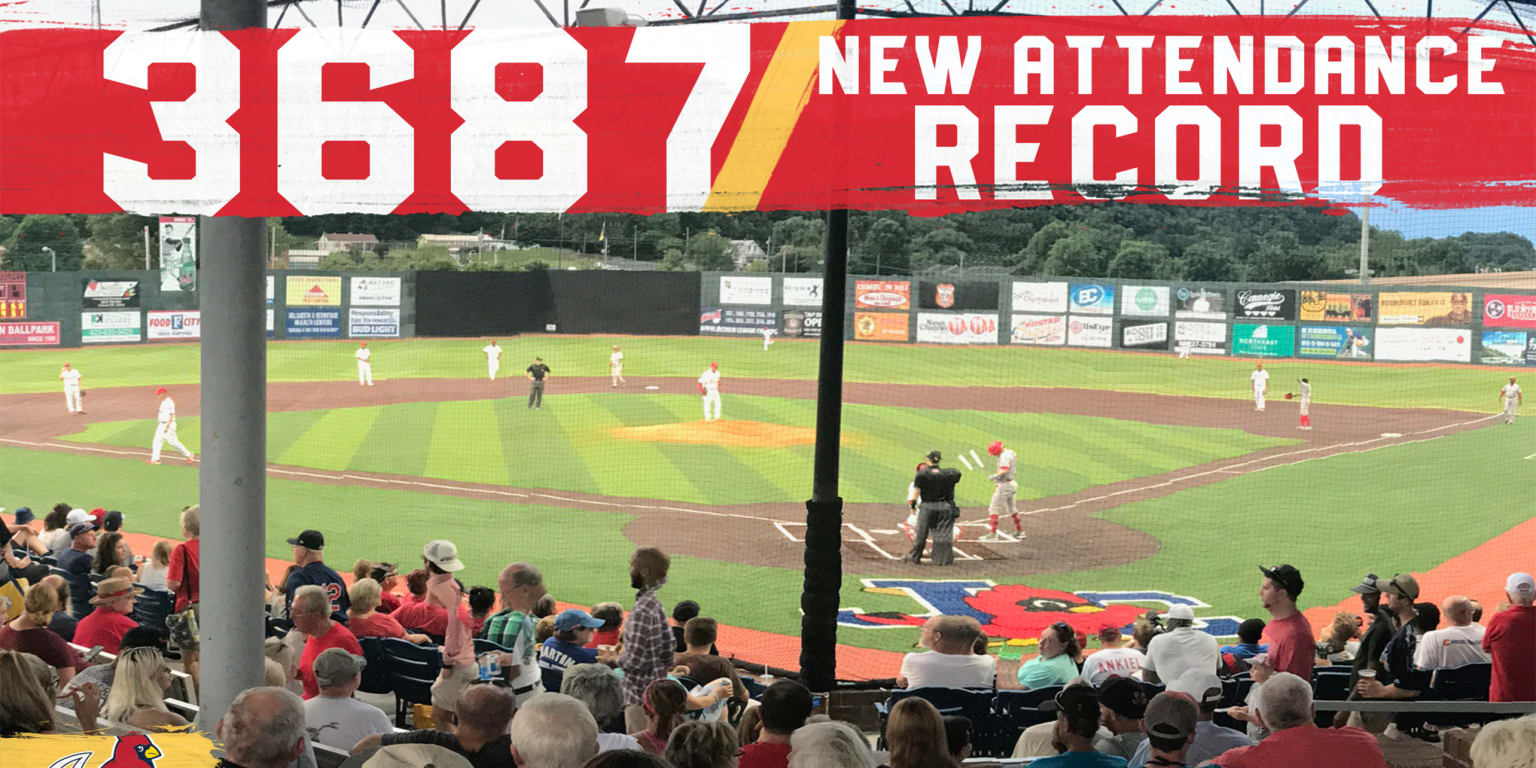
<point>54,257</point>
<point>146,248</point>
<point>1365,243</point>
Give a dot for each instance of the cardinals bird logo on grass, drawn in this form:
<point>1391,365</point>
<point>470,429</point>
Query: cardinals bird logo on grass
<point>133,750</point>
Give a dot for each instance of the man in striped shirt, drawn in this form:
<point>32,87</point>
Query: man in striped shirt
<point>648,641</point>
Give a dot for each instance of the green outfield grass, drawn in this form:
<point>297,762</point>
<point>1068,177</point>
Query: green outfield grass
<point>569,445</point>
<point>1365,384</point>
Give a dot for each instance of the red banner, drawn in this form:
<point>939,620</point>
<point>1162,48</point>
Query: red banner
<point>1507,310</point>
<point>929,116</point>
<point>29,334</point>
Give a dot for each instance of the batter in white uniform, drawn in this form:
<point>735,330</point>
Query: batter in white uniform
<point>616,366</point>
<point>1003,494</point>
<point>1513,399</point>
<point>492,359</point>
<point>71,379</point>
<point>709,387</point>
<point>1306,404</point>
<point>165,430</point>
<point>364,367</point>
<point>1260,379</point>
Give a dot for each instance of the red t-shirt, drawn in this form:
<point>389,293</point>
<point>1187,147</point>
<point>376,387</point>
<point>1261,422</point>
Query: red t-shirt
<point>1310,746</point>
<point>388,603</point>
<point>1291,645</point>
<point>338,637</point>
<point>185,570</point>
<point>104,627</point>
<point>375,625</point>
<point>1511,641</point>
<point>422,615</point>
<point>761,754</point>
<point>605,637</point>
<point>43,643</point>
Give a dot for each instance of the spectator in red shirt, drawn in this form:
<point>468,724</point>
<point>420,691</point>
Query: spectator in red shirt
<point>388,579</point>
<point>364,620</point>
<point>1285,708</point>
<point>112,617</point>
<point>785,706</point>
<point>612,615</point>
<point>1292,647</point>
<point>182,577</point>
<point>1511,641</point>
<point>310,613</point>
<point>416,613</point>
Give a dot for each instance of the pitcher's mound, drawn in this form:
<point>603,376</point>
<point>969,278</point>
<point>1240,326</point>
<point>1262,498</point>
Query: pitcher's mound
<point>755,434</point>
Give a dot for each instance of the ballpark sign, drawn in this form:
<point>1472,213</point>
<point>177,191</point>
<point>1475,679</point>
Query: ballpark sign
<point>926,115</point>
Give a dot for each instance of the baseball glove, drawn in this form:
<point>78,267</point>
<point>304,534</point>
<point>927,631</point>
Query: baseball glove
<point>1287,395</point>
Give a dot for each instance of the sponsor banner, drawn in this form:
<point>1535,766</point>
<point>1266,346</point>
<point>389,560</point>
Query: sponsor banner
<point>966,328</point>
<point>1266,303</point>
<point>802,291</point>
<point>1431,309</point>
<point>746,290</point>
<point>951,294</point>
<point>1332,307</point>
<point>373,323</point>
<point>737,322</point>
<point>1530,349</point>
<point>173,324</point>
<point>1090,331</point>
<point>13,295</point>
<point>271,292</point>
<point>312,323</point>
<point>29,334</point>
<point>1266,340</point>
<point>1503,347</point>
<point>271,322</point>
<point>1424,344</point>
<point>802,324</point>
<point>1144,336</point>
<point>109,294</point>
<point>375,292</point>
<point>1040,329</point>
<point>110,327</point>
<point>1506,310</point>
<point>1199,303</point>
<point>1335,341</point>
<point>1039,297</point>
<point>881,326</point>
<point>882,294</point>
<point>1201,338</point>
<point>1145,300</point>
<point>312,291</point>
<point>1092,299</point>
<point>178,253</point>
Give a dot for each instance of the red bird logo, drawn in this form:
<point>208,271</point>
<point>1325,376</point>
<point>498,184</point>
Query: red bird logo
<point>134,750</point>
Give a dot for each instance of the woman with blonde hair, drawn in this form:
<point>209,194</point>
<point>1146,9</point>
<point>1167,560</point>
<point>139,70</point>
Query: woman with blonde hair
<point>364,619</point>
<point>152,572</point>
<point>29,633</point>
<point>137,697</point>
<point>915,731</point>
<point>27,706</point>
<point>699,744</point>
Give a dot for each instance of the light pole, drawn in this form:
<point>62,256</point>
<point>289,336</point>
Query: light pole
<point>55,258</point>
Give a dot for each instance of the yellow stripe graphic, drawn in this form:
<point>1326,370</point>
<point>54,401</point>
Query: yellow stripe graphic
<point>781,97</point>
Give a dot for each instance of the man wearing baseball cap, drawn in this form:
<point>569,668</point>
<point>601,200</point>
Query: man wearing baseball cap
<point>334,717</point>
<point>1180,649</point>
<point>76,561</point>
<point>1202,689</point>
<point>1292,646</point>
<point>112,618</point>
<point>1122,703</point>
<point>573,630</point>
<point>165,428</point>
<point>1397,678</point>
<point>441,559</point>
<point>1511,641</point>
<point>936,512</point>
<point>1077,722</point>
<point>1003,494</point>
<point>309,555</point>
<point>1171,721</point>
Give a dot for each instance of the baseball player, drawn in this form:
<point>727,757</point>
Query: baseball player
<point>936,513</point>
<point>536,374</point>
<point>492,359</point>
<point>709,387</point>
<point>767,338</point>
<point>1260,379</point>
<point>616,366</point>
<point>1513,399</point>
<point>165,430</point>
<point>364,367</point>
<point>1183,350</point>
<point>1002,495</point>
<point>1306,403</point>
<point>71,379</point>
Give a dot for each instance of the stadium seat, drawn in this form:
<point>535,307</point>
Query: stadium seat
<point>1465,683</point>
<point>47,560</point>
<point>412,669</point>
<point>97,577</point>
<point>1329,684</point>
<point>754,688</point>
<point>974,703</point>
<point>278,627</point>
<point>376,675</point>
<point>80,592</point>
<point>1012,712</point>
<point>152,606</point>
<point>483,646</point>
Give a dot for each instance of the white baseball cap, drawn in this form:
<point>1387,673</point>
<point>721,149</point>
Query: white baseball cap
<point>1202,685</point>
<point>1520,582</point>
<point>79,516</point>
<point>1180,612</point>
<point>443,554</point>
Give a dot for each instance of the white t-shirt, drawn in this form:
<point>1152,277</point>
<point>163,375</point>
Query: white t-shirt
<point>1510,391</point>
<point>948,670</point>
<point>167,410</point>
<point>1450,647</point>
<point>616,359</point>
<point>70,377</point>
<point>1171,654</point>
<point>607,742</point>
<point>1260,380</point>
<point>1111,662</point>
<point>341,723</point>
<point>363,355</point>
<point>492,353</point>
<point>153,576</point>
<point>710,380</point>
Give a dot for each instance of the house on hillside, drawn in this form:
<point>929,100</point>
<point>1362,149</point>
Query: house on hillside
<point>744,252</point>
<point>331,243</point>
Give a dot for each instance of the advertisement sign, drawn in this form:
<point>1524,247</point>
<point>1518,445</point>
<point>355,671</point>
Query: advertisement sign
<point>29,334</point>
<point>271,323</point>
<point>800,324</point>
<point>316,291</point>
<point>1334,341</point>
<point>1257,340</point>
<point>109,294</point>
<point>1504,310</point>
<point>375,292</point>
<point>1200,303</point>
<point>802,291</point>
<point>178,253</point>
<point>1330,307</point>
<point>746,290</point>
<point>1092,299</point>
<point>1144,336</point>
<point>173,324</point>
<point>1503,347</point>
<point>882,294</point>
<point>953,294</point>
<point>312,323</point>
<point>966,328</point>
<point>271,292</point>
<point>1266,303</point>
<point>373,323</point>
<point>1039,297</point>
<point>110,327</point>
<point>1201,338</point>
<point>1530,349</point>
<point>880,326</point>
<point>13,295</point>
<point>1430,309</point>
<point>1040,329</point>
<point>1424,344</point>
<point>737,322</point>
<point>1090,331</point>
<point>1144,300</point>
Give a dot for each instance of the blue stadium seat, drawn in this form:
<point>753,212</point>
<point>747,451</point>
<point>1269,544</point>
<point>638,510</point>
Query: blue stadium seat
<point>97,577</point>
<point>376,675</point>
<point>1465,683</point>
<point>483,645</point>
<point>1329,684</point>
<point>152,606</point>
<point>278,627</point>
<point>974,703</point>
<point>1012,712</point>
<point>412,669</point>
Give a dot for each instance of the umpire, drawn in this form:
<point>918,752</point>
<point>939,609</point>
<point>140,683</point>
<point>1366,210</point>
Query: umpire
<point>936,511</point>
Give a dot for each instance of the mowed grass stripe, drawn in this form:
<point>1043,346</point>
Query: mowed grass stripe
<point>465,443</point>
<point>398,441</point>
<point>328,443</point>
<point>638,468</point>
<point>540,448</point>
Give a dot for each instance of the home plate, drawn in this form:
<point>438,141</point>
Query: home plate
<point>652,386</point>
<point>1391,434</point>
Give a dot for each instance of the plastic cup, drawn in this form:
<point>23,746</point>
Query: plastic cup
<point>1367,674</point>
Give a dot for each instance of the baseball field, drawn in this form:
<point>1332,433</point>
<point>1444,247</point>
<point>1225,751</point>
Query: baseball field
<point>1144,480</point>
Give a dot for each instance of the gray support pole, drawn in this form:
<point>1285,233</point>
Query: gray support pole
<point>824,512</point>
<point>232,481</point>
<point>1365,243</point>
